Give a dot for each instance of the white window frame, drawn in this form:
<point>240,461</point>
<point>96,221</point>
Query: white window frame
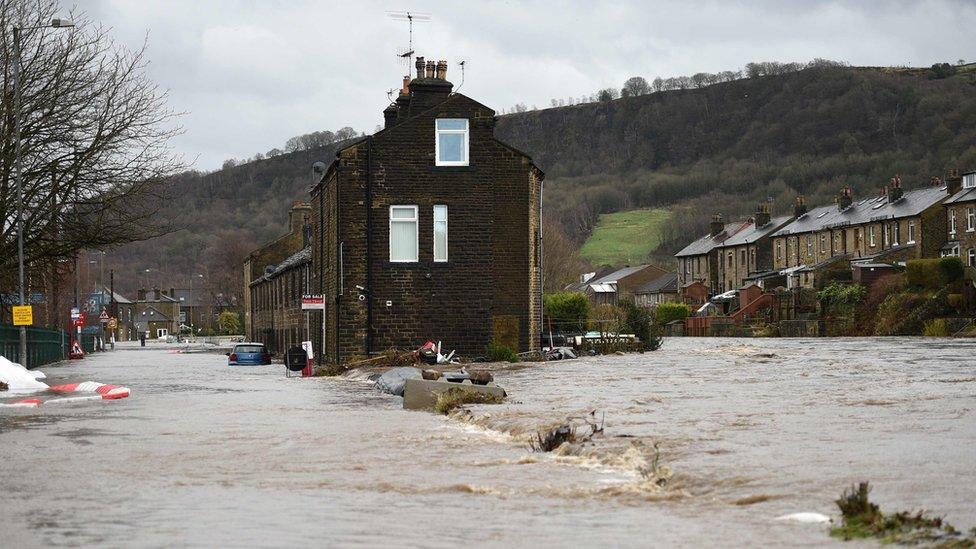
<point>972,257</point>
<point>911,231</point>
<point>447,253</point>
<point>416,222</point>
<point>823,243</point>
<point>969,181</point>
<point>887,235</point>
<point>871,237</point>
<point>896,233</point>
<point>810,245</point>
<point>970,219</point>
<point>952,221</point>
<point>437,143</point>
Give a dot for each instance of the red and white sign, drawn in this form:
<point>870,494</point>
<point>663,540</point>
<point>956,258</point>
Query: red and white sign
<point>80,321</point>
<point>103,318</point>
<point>313,303</point>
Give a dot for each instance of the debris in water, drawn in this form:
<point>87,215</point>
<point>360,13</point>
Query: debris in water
<point>863,519</point>
<point>554,438</point>
<point>454,398</point>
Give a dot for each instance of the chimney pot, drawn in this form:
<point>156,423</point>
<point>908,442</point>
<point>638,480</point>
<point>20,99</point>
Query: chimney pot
<point>442,69</point>
<point>716,226</point>
<point>953,182</point>
<point>420,67</point>
<point>406,85</point>
<point>431,67</point>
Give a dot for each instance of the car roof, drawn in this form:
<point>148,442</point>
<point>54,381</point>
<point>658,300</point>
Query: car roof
<point>248,343</point>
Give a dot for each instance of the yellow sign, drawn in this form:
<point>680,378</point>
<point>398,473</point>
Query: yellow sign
<point>23,315</point>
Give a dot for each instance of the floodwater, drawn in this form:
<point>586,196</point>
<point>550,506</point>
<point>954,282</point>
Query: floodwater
<point>705,443</point>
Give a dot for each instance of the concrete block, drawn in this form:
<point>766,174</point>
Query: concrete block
<point>421,394</point>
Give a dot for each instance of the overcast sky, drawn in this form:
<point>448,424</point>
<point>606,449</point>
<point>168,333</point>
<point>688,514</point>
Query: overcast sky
<point>251,74</point>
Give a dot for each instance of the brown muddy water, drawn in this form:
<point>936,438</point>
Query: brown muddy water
<point>705,443</point>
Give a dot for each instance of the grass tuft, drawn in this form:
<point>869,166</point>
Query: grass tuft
<point>862,519</point>
<point>454,398</point>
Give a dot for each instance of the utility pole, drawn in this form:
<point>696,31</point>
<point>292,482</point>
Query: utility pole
<point>114,314</point>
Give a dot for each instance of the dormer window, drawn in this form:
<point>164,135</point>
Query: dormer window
<point>969,181</point>
<point>451,143</point>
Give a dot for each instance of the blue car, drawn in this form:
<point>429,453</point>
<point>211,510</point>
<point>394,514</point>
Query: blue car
<point>248,354</point>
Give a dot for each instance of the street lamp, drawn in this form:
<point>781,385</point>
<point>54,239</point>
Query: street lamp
<point>18,166</point>
<point>190,303</point>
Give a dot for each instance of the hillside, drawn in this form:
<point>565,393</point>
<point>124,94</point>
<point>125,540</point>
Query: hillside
<point>727,146</point>
<point>694,152</point>
<point>624,237</point>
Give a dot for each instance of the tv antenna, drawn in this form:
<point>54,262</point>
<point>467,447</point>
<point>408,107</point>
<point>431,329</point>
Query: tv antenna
<point>461,64</point>
<point>411,17</point>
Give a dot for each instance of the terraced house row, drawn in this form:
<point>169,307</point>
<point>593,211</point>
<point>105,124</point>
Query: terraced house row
<point>897,225</point>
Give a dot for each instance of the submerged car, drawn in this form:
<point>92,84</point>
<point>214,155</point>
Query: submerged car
<point>248,354</point>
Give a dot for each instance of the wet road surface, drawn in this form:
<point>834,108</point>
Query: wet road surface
<point>706,441</point>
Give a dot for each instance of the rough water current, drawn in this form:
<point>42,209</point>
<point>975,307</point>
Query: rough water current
<point>704,443</point>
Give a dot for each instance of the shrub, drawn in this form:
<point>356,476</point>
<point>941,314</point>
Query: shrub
<point>893,310</point>
<point>229,322</point>
<point>866,315</point>
<point>569,311</point>
<point>668,312</point>
<point>608,320</point>
<point>499,352</point>
<point>841,298</point>
<point>934,273</point>
<point>637,320</point>
<point>936,328</point>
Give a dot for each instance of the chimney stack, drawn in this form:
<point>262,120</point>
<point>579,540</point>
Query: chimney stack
<point>799,206</point>
<point>762,214</point>
<point>716,226</point>
<point>845,199</point>
<point>895,191</point>
<point>441,70</point>
<point>405,90</point>
<point>429,89</point>
<point>953,182</point>
<point>141,294</point>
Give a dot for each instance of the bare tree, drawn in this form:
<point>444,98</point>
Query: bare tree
<point>95,140</point>
<point>561,261</point>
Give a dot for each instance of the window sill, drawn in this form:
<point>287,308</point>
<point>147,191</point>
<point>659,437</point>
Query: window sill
<point>449,169</point>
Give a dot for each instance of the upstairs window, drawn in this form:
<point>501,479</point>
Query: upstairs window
<point>952,221</point>
<point>871,238</point>
<point>970,219</point>
<point>969,181</point>
<point>911,231</point>
<point>403,234</point>
<point>440,234</point>
<point>452,141</point>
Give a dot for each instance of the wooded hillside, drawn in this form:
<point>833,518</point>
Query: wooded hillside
<point>718,149</point>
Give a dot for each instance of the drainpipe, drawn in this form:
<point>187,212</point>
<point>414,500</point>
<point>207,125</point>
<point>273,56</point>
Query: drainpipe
<point>542,314</point>
<point>322,262</point>
<point>369,246</point>
<point>339,258</point>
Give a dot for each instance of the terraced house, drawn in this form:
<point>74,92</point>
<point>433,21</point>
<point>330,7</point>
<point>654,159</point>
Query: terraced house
<point>748,251</point>
<point>428,229</point>
<point>897,225</point>
<point>961,217</point>
<point>698,261</point>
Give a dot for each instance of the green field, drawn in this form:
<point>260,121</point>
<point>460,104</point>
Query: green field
<point>625,238</point>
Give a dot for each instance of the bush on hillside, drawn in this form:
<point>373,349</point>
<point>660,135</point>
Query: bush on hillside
<point>569,311</point>
<point>668,312</point>
<point>936,328</point>
<point>934,274</point>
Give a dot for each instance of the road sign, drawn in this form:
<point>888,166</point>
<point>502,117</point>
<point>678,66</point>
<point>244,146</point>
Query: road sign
<point>313,303</point>
<point>75,311</point>
<point>23,315</point>
<point>113,323</point>
<point>80,321</point>
<point>103,318</point>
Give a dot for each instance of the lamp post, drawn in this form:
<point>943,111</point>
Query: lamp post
<point>189,308</point>
<point>18,167</point>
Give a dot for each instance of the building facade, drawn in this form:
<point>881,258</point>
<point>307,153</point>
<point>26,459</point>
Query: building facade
<point>621,284</point>
<point>748,251</point>
<point>258,262</point>
<point>428,229</point>
<point>698,261</point>
<point>276,303</point>
<point>961,218</point>
<point>897,225</point>
<point>157,314</point>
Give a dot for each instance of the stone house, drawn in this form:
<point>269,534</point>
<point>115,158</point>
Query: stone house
<point>270,255</point>
<point>157,314</point>
<point>748,251</point>
<point>895,226</point>
<point>961,217</point>
<point>698,261</point>
<point>277,318</point>
<point>428,229</point>
<point>662,289</point>
<point>621,284</point>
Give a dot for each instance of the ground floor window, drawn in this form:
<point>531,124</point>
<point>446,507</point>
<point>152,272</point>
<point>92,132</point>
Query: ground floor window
<point>161,332</point>
<point>403,234</point>
<point>972,257</point>
<point>440,233</point>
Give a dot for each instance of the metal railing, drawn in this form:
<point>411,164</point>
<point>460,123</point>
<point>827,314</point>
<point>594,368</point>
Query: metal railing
<point>44,345</point>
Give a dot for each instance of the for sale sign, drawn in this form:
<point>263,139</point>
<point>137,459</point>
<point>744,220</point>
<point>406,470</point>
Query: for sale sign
<point>312,302</point>
<point>23,315</point>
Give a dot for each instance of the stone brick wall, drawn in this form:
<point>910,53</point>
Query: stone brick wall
<point>493,238</point>
<point>276,311</point>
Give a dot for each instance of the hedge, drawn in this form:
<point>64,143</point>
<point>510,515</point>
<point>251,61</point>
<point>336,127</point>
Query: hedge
<point>934,274</point>
<point>569,311</point>
<point>668,312</point>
